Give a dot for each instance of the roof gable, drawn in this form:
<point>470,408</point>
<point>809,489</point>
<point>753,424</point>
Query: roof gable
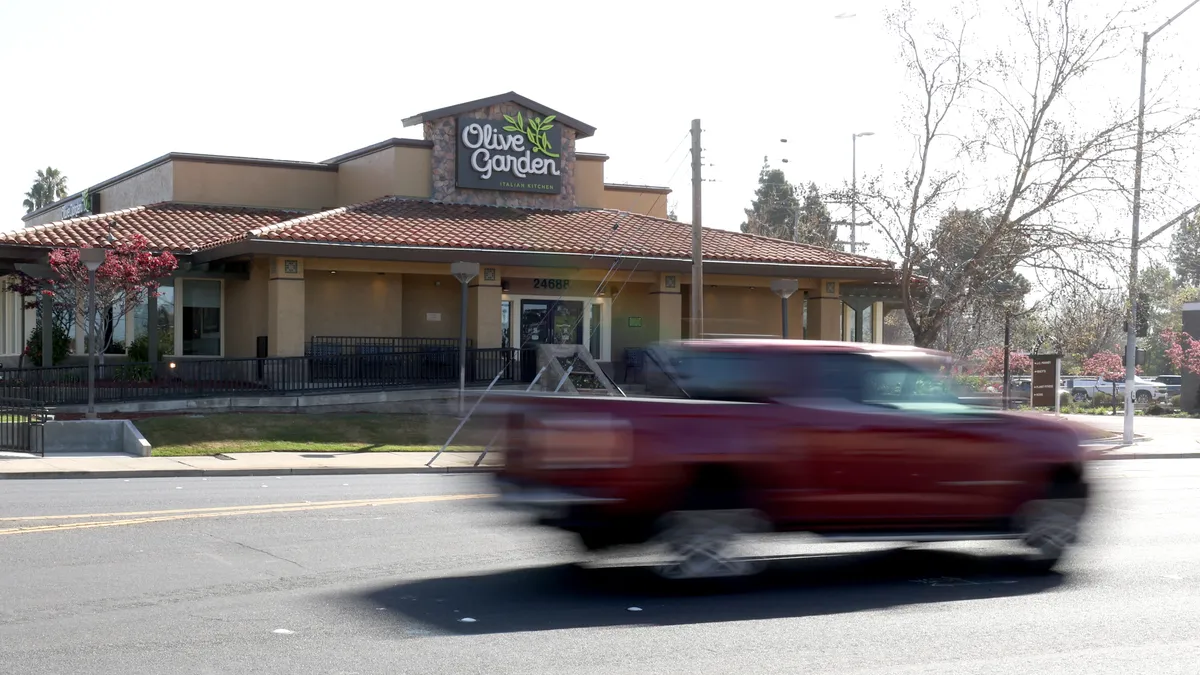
<point>581,130</point>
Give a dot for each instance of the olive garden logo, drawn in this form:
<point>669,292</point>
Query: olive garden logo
<point>517,154</point>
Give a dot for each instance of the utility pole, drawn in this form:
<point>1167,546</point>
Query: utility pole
<point>697,329</point>
<point>854,189</point>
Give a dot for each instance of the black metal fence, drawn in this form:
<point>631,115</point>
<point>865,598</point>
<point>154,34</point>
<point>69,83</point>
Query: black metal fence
<point>366,346</point>
<point>192,378</point>
<point>22,425</point>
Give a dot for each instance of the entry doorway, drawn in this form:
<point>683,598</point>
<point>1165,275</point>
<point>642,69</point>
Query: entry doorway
<point>580,321</point>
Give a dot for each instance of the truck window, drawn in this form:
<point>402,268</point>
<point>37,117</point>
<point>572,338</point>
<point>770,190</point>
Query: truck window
<point>719,375</point>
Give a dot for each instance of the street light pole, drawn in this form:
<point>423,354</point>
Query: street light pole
<point>92,258</point>
<point>1131,328</point>
<point>464,272</point>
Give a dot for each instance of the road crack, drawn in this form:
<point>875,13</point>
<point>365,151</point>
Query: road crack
<point>252,548</point>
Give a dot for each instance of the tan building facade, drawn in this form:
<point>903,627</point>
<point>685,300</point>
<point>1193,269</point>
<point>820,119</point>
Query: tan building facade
<point>277,256</point>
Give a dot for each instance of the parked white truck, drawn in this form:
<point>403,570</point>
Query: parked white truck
<point>1144,391</point>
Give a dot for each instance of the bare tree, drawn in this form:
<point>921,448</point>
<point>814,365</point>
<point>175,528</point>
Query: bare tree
<point>1007,117</point>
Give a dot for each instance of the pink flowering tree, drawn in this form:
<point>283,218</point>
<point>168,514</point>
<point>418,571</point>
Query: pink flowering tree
<point>990,361</point>
<point>129,275</point>
<point>1183,350</point>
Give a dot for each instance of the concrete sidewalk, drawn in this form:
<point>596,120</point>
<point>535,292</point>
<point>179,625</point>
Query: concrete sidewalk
<point>239,464</point>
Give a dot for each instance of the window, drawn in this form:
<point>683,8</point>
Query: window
<point>881,382</point>
<point>201,317</point>
<point>166,316</point>
<point>729,376</point>
<point>506,324</point>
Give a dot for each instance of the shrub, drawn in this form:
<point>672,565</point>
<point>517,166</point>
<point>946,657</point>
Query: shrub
<point>140,372</point>
<point>1065,400</point>
<point>1101,399</point>
<point>1156,409</point>
<point>1176,401</point>
<point>139,349</point>
<point>61,343</point>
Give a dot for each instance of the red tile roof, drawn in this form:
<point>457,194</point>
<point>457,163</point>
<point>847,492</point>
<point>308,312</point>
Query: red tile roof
<point>180,228</point>
<point>421,223</point>
<point>396,221</point>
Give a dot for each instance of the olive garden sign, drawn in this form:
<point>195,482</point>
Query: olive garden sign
<point>518,154</point>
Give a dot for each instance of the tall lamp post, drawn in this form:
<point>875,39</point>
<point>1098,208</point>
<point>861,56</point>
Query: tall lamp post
<point>92,259</point>
<point>1131,329</point>
<point>854,188</point>
<point>464,272</point>
<point>784,288</point>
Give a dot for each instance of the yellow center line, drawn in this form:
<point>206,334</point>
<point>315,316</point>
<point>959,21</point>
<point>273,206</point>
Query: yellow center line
<point>184,514</point>
<point>163,512</point>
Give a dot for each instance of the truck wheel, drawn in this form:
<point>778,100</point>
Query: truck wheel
<point>1142,396</point>
<point>1079,395</point>
<point>1049,526</point>
<point>703,544</point>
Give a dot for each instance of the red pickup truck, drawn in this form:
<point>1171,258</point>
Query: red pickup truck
<point>850,441</point>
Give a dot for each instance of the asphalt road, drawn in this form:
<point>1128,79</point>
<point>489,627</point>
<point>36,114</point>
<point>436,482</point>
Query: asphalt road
<point>236,575</point>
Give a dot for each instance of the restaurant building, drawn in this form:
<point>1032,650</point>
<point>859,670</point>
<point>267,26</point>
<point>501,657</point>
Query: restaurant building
<point>274,254</point>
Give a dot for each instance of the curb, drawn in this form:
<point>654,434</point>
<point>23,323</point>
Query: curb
<point>206,473</point>
<point>1146,455</point>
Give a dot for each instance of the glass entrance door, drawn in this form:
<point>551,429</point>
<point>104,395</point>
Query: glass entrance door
<point>558,322</point>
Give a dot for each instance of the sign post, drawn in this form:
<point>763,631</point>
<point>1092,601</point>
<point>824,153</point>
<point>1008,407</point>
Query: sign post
<point>1044,387</point>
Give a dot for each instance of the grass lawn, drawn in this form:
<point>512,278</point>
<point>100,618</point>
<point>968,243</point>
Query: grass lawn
<point>173,436</point>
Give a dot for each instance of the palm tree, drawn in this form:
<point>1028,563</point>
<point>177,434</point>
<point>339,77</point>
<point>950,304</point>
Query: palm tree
<point>49,187</point>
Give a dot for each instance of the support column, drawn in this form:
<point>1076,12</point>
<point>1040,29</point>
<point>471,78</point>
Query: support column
<point>46,304</point>
<point>483,309</point>
<point>855,308</point>
<point>825,312</point>
<point>877,323</point>
<point>670,307</point>
<point>152,327</point>
<point>1190,387</point>
<point>285,308</point>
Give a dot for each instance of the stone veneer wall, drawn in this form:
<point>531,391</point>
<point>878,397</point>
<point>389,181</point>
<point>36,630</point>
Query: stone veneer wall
<point>443,134</point>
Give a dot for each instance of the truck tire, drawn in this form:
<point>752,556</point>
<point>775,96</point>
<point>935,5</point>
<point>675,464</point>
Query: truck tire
<point>1143,396</point>
<point>1050,525</point>
<point>1079,395</point>
<point>699,539</point>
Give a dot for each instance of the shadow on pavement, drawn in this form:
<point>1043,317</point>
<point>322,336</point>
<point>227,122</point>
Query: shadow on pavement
<point>570,596</point>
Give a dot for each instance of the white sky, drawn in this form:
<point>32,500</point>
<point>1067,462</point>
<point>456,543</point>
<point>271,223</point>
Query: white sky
<point>96,88</point>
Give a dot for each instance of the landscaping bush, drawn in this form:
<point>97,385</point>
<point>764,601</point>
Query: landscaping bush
<point>1176,401</point>
<point>61,343</point>
<point>1101,399</point>
<point>1065,400</point>
<point>139,349</point>
<point>1156,409</point>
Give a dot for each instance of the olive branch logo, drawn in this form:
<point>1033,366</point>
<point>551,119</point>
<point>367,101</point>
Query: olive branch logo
<point>534,129</point>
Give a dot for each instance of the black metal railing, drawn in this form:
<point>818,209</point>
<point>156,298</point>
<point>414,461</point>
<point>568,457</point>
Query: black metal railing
<point>194,378</point>
<point>351,346</point>
<point>22,425</point>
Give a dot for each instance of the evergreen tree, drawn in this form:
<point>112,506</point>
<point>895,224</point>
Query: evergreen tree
<point>1185,251</point>
<point>775,207</point>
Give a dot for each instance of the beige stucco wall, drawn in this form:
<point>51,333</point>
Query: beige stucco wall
<point>247,185</point>
<point>426,294</point>
<point>150,187</point>
<point>742,310</point>
<point>357,304</point>
<point>397,170</point>
<point>648,203</point>
<point>365,178</point>
<point>246,307</point>
<point>589,182</point>
<point>635,300</point>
